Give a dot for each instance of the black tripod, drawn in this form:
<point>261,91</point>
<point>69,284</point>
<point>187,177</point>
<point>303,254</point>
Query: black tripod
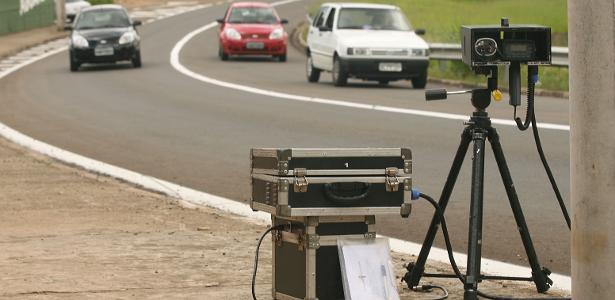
<point>478,130</point>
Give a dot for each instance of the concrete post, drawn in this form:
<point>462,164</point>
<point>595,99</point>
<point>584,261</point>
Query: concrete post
<point>591,39</point>
<point>60,14</point>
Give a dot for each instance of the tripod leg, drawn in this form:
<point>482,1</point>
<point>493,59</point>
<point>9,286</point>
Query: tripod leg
<point>415,273</point>
<point>539,275</point>
<point>476,216</point>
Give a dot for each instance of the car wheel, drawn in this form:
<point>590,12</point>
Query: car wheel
<point>136,60</point>
<point>74,64</point>
<point>313,73</point>
<point>223,55</point>
<point>419,82</point>
<point>339,73</point>
<point>282,58</point>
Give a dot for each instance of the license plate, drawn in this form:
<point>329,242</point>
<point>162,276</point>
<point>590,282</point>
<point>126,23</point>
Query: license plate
<point>256,46</point>
<point>103,51</point>
<point>390,67</point>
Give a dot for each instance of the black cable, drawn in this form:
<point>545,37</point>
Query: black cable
<point>543,159</point>
<point>258,246</point>
<point>530,117</point>
<point>487,296</point>
<point>531,82</point>
<point>429,287</point>
<point>449,249</point>
<point>447,240</point>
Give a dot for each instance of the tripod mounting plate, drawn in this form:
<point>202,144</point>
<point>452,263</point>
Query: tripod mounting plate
<point>481,98</point>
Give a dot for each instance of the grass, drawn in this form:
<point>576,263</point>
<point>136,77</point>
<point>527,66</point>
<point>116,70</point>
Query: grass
<point>551,78</point>
<point>96,2</point>
<point>443,18</point>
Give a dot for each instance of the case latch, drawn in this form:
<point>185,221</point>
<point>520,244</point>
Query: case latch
<point>313,241</point>
<point>391,181</point>
<point>301,183</point>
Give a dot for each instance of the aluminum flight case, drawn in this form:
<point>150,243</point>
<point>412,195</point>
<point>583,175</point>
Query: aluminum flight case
<point>305,257</point>
<point>331,181</point>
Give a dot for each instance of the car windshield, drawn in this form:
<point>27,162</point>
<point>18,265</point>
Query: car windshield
<point>102,18</point>
<point>372,19</point>
<point>253,15</point>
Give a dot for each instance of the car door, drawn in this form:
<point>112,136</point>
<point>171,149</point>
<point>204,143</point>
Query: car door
<point>329,40</point>
<point>316,41</point>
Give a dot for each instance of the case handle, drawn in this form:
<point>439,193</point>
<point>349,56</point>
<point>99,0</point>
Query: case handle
<point>332,191</point>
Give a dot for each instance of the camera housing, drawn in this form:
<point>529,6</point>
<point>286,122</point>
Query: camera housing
<point>493,45</point>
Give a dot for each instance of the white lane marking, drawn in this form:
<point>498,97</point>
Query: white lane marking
<point>175,62</point>
<point>190,197</point>
<point>16,67</point>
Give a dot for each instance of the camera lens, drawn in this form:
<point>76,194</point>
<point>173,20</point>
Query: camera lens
<point>485,47</point>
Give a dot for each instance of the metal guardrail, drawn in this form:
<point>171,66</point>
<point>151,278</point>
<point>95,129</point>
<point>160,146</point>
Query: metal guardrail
<point>439,51</point>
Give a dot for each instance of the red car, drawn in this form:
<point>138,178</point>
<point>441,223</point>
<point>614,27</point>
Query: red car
<point>252,28</point>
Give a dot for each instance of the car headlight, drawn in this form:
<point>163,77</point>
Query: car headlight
<point>79,41</point>
<point>127,38</point>
<point>420,52</point>
<point>358,51</point>
<point>232,34</point>
<point>276,34</point>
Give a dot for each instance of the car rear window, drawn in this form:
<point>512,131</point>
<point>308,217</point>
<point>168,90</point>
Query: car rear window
<point>372,19</point>
<point>253,15</point>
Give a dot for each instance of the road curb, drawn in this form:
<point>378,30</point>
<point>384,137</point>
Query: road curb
<point>296,40</point>
<point>15,51</point>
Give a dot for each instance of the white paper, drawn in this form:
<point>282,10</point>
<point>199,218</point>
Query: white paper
<point>366,270</point>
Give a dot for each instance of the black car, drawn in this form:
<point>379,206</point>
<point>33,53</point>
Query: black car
<point>104,34</point>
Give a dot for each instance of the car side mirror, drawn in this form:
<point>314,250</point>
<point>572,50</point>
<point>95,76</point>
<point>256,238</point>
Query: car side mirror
<point>220,21</point>
<point>136,23</point>
<point>324,28</point>
<point>283,21</point>
<point>420,31</point>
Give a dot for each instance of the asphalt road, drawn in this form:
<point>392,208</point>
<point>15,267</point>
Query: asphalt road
<point>159,122</point>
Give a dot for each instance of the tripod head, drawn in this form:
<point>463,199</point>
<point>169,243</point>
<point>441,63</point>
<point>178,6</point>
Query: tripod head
<point>481,98</point>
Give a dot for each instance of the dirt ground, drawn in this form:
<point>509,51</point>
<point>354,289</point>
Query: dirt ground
<point>69,234</point>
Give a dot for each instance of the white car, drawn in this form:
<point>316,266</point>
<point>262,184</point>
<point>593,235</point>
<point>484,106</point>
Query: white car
<point>365,41</point>
<point>73,7</point>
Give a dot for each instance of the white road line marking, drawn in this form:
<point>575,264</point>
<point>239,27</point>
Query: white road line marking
<point>489,266</point>
<point>190,197</point>
<point>174,59</point>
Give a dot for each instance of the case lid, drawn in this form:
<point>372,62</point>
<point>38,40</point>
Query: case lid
<point>331,161</point>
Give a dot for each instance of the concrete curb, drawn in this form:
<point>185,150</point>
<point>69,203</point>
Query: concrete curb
<point>15,51</point>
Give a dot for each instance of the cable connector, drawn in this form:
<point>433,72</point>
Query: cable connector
<point>415,194</point>
<point>426,288</point>
<point>423,288</point>
<point>535,78</point>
